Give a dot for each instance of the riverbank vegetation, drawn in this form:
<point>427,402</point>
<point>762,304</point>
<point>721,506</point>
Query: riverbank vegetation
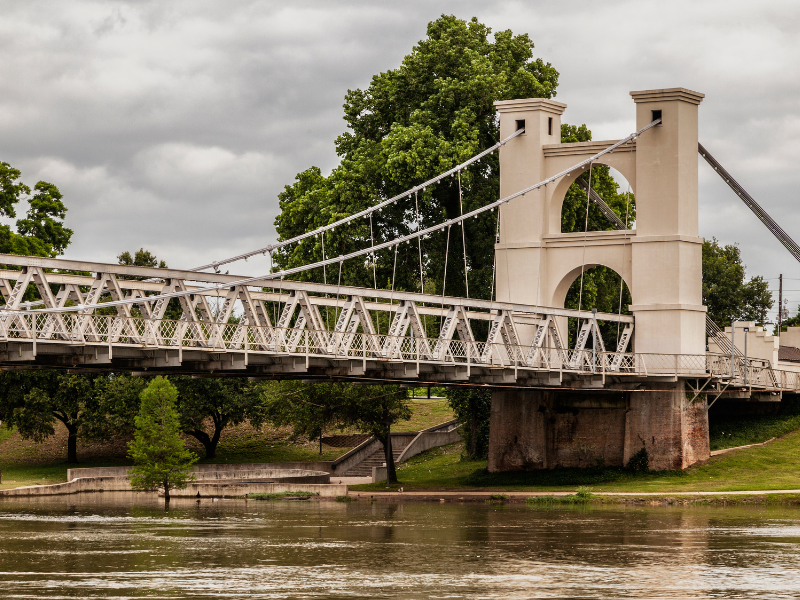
<point>773,466</point>
<point>741,431</point>
<point>26,462</point>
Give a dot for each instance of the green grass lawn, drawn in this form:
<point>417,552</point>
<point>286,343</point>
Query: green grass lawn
<point>5,434</point>
<point>426,413</point>
<point>18,475</point>
<point>730,434</point>
<point>770,467</point>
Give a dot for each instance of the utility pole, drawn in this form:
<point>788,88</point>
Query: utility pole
<point>780,304</point>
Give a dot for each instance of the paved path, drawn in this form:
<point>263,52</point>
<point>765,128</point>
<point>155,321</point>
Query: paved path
<point>724,450</point>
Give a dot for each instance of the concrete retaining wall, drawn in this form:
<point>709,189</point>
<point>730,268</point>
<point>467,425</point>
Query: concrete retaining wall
<point>205,489</point>
<point>227,490</point>
<point>84,484</point>
<point>275,475</point>
<point>204,471</point>
<point>426,440</point>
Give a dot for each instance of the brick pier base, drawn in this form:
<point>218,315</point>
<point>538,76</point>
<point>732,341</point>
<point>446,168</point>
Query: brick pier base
<point>547,429</point>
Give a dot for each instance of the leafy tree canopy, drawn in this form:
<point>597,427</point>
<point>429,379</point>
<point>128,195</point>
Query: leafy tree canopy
<point>33,402</point>
<point>309,407</point>
<point>725,292</point>
<point>208,406</point>
<point>140,258</point>
<point>472,408</point>
<point>157,450</point>
<point>42,231</point>
<point>410,124</point>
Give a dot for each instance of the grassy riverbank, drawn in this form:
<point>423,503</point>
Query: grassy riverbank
<point>24,462</point>
<point>733,432</point>
<point>774,466</point>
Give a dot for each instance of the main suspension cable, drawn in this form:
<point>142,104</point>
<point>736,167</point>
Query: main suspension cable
<point>255,281</point>
<point>218,263</point>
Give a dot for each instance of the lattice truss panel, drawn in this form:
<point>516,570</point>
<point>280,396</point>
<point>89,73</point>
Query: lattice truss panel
<point>225,322</point>
<point>310,319</point>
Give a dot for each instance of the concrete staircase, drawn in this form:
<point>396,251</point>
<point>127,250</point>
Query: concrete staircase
<point>360,461</point>
<point>376,459</point>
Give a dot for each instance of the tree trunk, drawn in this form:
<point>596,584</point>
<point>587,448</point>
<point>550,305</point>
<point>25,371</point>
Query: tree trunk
<point>209,443</point>
<point>473,433</point>
<point>391,472</point>
<point>166,493</point>
<point>72,444</point>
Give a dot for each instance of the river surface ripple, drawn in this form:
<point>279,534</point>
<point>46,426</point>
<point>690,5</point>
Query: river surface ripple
<point>117,546</point>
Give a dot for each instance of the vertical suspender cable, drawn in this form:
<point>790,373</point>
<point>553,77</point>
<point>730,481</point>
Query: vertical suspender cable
<point>419,242</point>
<point>391,295</point>
<point>583,260</point>
<point>374,271</point>
<point>494,257</point>
<point>463,235</point>
<point>444,279</point>
<point>338,288</point>
<point>625,236</point>
<point>325,277</point>
<point>271,269</point>
<point>419,245</point>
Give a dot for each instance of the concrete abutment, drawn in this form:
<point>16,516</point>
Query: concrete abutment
<point>548,429</point>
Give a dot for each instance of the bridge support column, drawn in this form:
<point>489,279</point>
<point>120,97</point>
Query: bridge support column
<point>547,429</point>
<point>672,429</point>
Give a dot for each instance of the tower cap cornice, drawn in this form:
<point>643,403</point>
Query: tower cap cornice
<point>526,104</point>
<point>668,94</point>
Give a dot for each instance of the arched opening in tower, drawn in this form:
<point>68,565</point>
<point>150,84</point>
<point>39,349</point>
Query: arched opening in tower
<point>601,288</point>
<point>611,204</point>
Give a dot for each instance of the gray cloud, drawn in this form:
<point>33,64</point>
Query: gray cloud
<point>174,125</point>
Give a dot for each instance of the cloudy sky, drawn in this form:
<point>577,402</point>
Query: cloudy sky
<point>174,125</point>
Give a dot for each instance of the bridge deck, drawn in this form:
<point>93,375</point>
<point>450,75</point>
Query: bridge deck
<point>303,343</point>
<point>234,349</point>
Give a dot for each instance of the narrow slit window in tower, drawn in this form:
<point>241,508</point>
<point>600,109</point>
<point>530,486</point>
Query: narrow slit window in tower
<point>520,124</point>
<point>656,115</point>
<point>549,125</point>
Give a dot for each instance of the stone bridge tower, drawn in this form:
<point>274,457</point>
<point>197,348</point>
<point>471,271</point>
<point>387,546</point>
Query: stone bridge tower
<point>660,261</point>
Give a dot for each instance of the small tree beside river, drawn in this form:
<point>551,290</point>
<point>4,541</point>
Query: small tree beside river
<point>161,460</point>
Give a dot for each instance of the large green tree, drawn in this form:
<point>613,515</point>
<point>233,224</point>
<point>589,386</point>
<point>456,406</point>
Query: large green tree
<point>310,407</point>
<point>35,401</point>
<point>157,449</point>
<point>725,292</point>
<point>411,123</point>
<point>42,231</point>
<point>207,406</point>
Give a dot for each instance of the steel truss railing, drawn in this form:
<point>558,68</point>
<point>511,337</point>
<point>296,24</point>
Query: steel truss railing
<point>164,334</point>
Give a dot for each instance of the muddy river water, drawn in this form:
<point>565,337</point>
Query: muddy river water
<point>121,546</point>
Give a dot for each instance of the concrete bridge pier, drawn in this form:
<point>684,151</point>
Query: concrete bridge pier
<point>547,429</point>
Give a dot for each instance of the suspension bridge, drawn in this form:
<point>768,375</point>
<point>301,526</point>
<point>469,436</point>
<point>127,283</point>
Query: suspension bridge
<point>109,317</point>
